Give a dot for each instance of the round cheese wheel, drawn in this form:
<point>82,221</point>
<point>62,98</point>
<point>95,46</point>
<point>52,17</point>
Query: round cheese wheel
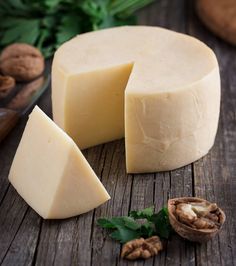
<point>157,88</point>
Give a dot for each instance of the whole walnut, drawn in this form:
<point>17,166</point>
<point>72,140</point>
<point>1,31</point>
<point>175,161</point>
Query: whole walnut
<point>21,61</point>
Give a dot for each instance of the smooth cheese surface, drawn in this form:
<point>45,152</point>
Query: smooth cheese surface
<point>50,172</point>
<point>96,111</point>
<point>168,84</point>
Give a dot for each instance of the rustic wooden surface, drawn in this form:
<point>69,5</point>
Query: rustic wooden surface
<point>26,239</point>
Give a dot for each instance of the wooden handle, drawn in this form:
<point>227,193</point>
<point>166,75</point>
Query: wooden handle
<point>8,120</point>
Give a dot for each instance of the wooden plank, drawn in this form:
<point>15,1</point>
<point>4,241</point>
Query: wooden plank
<point>60,240</point>
<point>12,212</point>
<point>180,251</point>
<point>105,250</point>
<point>19,225</point>
<point>79,240</point>
<point>22,248</point>
<point>171,15</point>
<point>215,173</point>
<point>141,196</point>
<point>7,152</point>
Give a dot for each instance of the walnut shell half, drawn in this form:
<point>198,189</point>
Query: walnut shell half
<point>7,83</point>
<point>21,61</point>
<point>200,229</point>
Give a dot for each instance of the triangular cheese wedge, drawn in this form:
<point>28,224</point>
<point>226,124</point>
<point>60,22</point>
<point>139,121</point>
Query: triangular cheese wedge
<point>50,172</point>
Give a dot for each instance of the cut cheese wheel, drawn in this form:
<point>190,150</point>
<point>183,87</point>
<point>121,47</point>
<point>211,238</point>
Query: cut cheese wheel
<point>158,88</point>
<point>51,174</point>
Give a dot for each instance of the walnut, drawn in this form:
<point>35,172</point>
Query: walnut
<point>7,83</point>
<point>185,213</point>
<point>213,217</point>
<point>21,61</point>
<point>141,248</point>
<point>203,208</point>
<point>195,219</point>
<point>204,223</point>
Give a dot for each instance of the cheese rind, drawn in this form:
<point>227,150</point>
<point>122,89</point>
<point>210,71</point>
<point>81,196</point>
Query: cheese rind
<point>171,129</point>
<point>50,172</point>
<point>171,100</point>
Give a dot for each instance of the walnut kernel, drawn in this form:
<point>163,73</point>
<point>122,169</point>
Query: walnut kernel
<point>141,248</point>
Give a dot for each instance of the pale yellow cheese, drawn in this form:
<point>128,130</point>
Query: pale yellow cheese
<point>168,84</point>
<point>50,172</point>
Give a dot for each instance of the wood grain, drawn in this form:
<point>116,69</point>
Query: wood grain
<point>8,120</point>
<point>26,239</point>
<point>214,175</point>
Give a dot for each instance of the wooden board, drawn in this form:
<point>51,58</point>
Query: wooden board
<point>26,239</point>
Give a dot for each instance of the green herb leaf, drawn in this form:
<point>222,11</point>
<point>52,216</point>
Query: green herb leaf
<point>123,234</point>
<point>69,28</point>
<point>48,51</point>
<point>162,223</point>
<point>48,23</point>
<point>52,3</point>
<point>18,4</point>
<point>111,223</point>
<point>125,8</point>
<point>147,229</point>
<point>105,223</point>
<point>130,223</point>
<point>143,214</point>
<point>115,222</point>
<point>127,227</point>
<point>24,31</point>
<point>9,22</point>
<point>31,33</point>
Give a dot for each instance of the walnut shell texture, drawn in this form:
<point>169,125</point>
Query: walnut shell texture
<point>21,61</point>
<point>187,232</point>
<point>7,83</point>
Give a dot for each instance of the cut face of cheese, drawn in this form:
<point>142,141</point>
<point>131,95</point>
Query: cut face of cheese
<point>50,172</point>
<point>102,93</point>
<point>158,88</point>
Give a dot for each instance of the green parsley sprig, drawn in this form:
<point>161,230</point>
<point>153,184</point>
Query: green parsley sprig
<point>46,24</point>
<point>144,223</point>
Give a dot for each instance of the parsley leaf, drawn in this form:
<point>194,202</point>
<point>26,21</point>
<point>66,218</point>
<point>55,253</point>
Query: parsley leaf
<point>20,30</point>
<point>125,228</point>
<point>46,24</point>
<point>130,223</point>
<point>144,223</point>
<point>105,223</point>
<point>68,28</point>
<point>143,214</point>
<point>162,224</point>
<point>147,229</point>
<point>123,234</point>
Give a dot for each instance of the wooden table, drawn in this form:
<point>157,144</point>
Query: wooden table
<point>27,239</point>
